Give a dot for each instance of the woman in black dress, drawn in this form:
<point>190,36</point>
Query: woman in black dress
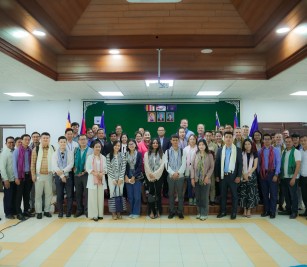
<point>248,191</point>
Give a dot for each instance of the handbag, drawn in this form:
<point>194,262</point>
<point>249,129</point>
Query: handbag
<point>152,198</point>
<point>117,203</point>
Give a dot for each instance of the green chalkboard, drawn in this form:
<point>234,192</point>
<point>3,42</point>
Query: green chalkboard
<point>133,116</point>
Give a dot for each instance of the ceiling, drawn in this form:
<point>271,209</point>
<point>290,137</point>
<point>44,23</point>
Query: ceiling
<point>17,77</point>
<point>79,34</point>
<point>249,59</point>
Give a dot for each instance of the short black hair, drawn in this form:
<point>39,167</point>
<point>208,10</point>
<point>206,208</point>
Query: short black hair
<point>69,130</point>
<point>82,135</point>
<point>175,136</point>
<point>228,132</point>
<point>208,131</point>
<point>25,135</point>
<point>100,129</point>
<point>267,134</point>
<point>35,133</point>
<point>62,137</point>
<point>111,133</point>
<point>9,137</point>
<point>75,124</point>
<point>295,135</point>
<point>17,138</point>
<point>45,133</point>
<point>288,137</point>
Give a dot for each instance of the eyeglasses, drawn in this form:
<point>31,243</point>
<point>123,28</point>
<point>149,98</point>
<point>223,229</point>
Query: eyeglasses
<point>131,144</point>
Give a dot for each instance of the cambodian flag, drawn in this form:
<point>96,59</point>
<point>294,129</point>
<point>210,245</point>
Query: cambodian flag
<point>235,121</point>
<point>217,121</point>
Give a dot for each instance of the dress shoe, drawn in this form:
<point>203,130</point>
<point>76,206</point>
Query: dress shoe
<point>233,216</point>
<point>68,215</point>
<point>31,210</point>
<point>212,203</point>
<point>10,217</point>
<point>265,214</point>
<point>285,212</point>
<point>39,216</point>
<point>221,215</point>
<point>303,214</point>
<point>78,214</point>
<point>21,217</point>
<point>60,215</point>
<point>95,219</point>
<point>28,214</point>
<point>171,215</point>
<point>281,208</point>
<point>293,216</point>
<point>100,218</point>
<point>47,214</point>
<point>180,216</point>
<point>272,216</point>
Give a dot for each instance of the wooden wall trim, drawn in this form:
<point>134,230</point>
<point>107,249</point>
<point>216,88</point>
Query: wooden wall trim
<point>210,75</point>
<point>24,58</point>
<point>287,63</point>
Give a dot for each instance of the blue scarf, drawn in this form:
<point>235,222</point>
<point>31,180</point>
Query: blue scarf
<point>62,159</point>
<point>173,162</point>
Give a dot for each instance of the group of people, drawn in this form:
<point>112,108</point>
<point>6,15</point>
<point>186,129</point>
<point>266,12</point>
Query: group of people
<point>201,167</point>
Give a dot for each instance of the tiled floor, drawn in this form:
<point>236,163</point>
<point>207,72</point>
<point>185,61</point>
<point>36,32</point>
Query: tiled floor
<point>162,242</point>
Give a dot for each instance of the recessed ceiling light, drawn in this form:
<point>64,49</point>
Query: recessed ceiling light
<point>210,93</point>
<point>169,82</point>
<point>18,94</point>
<point>114,51</point>
<point>154,1</point>
<point>207,51</point>
<point>111,93</point>
<point>299,93</point>
<point>301,29</point>
<point>20,33</point>
<point>283,30</point>
<point>39,33</point>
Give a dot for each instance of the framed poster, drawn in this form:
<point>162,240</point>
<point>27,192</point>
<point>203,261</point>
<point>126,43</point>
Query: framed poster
<point>170,116</point>
<point>161,116</point>
<point>151,116</point>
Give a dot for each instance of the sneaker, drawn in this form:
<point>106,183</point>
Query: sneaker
<point>171,215</point>
<point>194,202</point>
<point>198,216</point>
<point>180,216</point>
<point>202,218</point>
<point>130,216</point>
<point>135,216</point>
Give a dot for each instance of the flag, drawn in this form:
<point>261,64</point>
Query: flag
<point>254,127</point>
<point>150,107</point>
<point>102,122</point>
<point>83,126</point>
<point>217,121</point>
<point>68,122</point>
<point>235,121</point>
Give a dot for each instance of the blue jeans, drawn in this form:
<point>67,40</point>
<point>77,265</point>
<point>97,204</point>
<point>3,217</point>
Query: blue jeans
<point>269,191</point>
<point>134,197</point>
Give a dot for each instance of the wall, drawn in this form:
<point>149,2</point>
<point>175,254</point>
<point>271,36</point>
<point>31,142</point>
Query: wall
<point>273,111</point>
<point>41,116</point>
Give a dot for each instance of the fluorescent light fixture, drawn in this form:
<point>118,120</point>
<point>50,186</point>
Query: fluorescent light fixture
<point>207,51</point>
<point>283,30</point>
<point>300,93</point>
<point>114,51</point>
<point>39,33</point>
<point>20,34</point>
<point>18,94</point>
<point>169,82</point>
<point>301,29</point>
<point>154,1</point>
<point>209,93</point>
<point>111,93</point>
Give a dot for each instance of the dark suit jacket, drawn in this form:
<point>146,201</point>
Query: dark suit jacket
<point>238,168</point>
<point>166,143</point>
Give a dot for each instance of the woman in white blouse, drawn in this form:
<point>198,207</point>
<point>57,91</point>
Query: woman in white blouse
<point>97,168</point>
<point>154,166</point>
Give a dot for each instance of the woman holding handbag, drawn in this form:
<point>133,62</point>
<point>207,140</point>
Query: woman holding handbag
<point>154,166</point>
<point>116,165</point>
<point>134,178</point>
<point>96,168</point>
<point>201,170</point>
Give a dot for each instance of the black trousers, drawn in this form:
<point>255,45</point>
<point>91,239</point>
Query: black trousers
<point>23,191</point>
<point>154,188</point>
<point>228,182</point>
<point>303,184</point>
<point>163,179</point>
<point>81,192</point>
<point>60,193</point>
<point>9,199</point>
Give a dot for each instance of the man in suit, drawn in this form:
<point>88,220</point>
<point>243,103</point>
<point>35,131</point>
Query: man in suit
<point>165,144</point>
<point>228,171</point>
